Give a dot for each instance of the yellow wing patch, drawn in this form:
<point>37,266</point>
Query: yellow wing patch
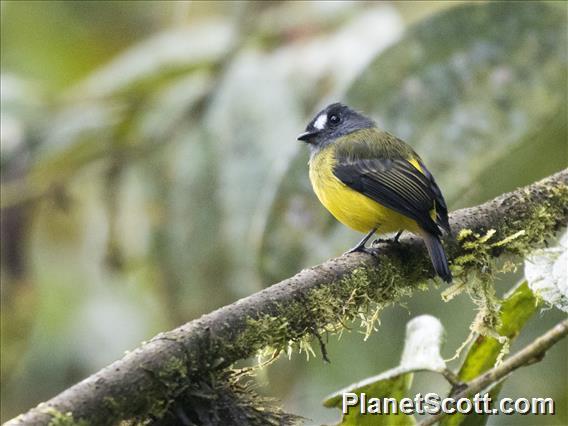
<point>416,164</point>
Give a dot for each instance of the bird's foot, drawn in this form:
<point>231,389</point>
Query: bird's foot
<point>378,241</point>
<point>362,249</point>
<point>394,240</point>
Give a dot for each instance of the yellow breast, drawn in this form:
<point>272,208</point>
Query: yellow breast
<point>350,207</point>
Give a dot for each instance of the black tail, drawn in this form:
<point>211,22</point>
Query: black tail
<point>438,256</point>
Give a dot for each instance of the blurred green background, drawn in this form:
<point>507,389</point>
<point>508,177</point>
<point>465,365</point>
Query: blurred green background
<point>150,171</point>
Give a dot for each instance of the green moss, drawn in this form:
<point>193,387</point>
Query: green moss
<point>173,369</point>
<point>327,309</point>
<point>474,272</point>
<point>159,406</point>
<point>111,404</point>
<point>63,419</point>
<point>226,396</point>
<point>476,267</point>
<point>116,405</point>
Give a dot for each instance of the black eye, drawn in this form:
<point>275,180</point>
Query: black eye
<point>334,119</point>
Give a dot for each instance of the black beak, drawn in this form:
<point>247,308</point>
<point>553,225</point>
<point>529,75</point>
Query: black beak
<point>307,136</point>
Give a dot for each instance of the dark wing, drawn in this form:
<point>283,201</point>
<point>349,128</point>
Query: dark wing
<point>397,184</point>
<point>441,207</point>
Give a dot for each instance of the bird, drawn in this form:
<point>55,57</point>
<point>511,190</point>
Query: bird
<point>373,182</point>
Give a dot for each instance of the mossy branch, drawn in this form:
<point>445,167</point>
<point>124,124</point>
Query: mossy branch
<point>316,300</point>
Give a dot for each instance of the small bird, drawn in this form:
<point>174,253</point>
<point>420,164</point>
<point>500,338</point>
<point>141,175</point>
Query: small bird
<point>372,181</point>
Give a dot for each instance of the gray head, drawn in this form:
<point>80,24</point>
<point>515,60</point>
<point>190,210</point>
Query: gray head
<point>332,122</point>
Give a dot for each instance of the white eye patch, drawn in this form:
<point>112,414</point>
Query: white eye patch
<point>320,122</point>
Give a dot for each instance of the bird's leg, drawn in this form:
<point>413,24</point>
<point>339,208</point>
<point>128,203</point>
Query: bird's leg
<point>388,240</point>
<point>397,236</point>
<point>361,246</point>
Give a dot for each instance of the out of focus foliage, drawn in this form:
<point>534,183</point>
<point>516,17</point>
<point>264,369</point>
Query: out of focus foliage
<point>150,171</point>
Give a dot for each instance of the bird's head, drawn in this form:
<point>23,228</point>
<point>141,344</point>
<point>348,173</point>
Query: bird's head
<point>332,122</point>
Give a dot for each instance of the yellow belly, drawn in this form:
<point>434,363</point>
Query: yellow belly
<point>350,207</point>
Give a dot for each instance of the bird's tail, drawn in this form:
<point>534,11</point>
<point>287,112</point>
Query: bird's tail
<point>438,256</point>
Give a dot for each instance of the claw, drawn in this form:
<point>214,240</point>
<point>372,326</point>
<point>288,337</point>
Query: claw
<point>361,245</point>
<point>388,240</point>
<point>378,241</point>
<point>362,249</point>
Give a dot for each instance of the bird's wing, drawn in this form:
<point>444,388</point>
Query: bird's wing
<point>397,184</point>
<point>441,207</point>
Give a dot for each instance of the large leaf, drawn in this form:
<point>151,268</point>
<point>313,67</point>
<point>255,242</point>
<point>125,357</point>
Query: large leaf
<point>421,353</point>
<point>479,90</point>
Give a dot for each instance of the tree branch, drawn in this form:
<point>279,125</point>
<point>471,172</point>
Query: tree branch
<point>526,356</point>
<point>322,297</point>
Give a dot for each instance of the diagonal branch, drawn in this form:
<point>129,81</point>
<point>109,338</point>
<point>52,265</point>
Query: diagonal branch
<point>322,297</point>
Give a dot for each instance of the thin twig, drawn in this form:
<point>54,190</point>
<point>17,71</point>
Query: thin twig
<point>526,356</point>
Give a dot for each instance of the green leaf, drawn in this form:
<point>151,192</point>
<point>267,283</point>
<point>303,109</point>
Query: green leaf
<point>421,353</point>
<point>518,307</point>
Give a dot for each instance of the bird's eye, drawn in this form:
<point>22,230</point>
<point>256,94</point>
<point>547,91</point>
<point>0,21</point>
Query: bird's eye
<point>334,119</point>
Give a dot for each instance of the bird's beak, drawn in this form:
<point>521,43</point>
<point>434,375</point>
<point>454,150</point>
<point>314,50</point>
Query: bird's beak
<point>307,136</point>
